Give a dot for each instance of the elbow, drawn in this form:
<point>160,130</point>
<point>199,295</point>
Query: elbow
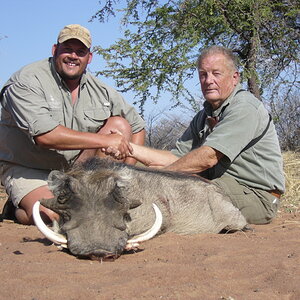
<point>43,141</point>
<point>213,157</point>
<point>210,164</point>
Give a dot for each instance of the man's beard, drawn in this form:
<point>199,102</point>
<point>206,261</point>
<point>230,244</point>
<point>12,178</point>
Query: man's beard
<point>65,76</point>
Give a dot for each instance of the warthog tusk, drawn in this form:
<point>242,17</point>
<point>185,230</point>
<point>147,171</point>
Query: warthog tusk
<point>62,241</point>
<point>56,238</point>
<point>150,233</point>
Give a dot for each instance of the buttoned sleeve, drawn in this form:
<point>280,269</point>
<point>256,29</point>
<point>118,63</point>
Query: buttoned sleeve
<point>27,105</point>
<point>238,126</point>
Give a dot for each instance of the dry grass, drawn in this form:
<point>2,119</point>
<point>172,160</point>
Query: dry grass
<point>291,199</point>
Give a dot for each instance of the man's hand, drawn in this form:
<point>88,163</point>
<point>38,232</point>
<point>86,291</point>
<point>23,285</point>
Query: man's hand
<point>119,147</point>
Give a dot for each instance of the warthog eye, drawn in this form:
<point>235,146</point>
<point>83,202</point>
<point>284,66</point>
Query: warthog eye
<point>127,218</point>
<point>63,197</point>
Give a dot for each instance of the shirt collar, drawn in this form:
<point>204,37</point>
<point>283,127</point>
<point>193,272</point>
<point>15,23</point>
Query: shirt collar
<point>214,113</point>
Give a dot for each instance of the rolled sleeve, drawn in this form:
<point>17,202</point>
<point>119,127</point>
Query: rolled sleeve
<point>29,109</point>
<point>41,125</point>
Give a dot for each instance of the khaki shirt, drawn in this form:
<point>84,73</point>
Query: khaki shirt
<point>243,120</point>
<point>35,100</point>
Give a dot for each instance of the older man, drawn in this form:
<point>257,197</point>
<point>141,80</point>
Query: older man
<point>54,113</point>
<point>232,141</point>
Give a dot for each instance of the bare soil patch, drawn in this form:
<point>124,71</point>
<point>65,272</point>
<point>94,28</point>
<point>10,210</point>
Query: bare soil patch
<point>263,264</point>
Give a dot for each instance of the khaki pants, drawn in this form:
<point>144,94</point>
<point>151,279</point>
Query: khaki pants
<point>257,206</point>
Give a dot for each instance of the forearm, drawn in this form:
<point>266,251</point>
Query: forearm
<point>152,157</point>
<point>137,138</point>
<point>196,161</point>
<point>63,138</point>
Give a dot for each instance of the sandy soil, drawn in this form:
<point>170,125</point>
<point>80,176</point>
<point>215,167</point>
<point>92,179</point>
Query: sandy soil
<point>263,264</point>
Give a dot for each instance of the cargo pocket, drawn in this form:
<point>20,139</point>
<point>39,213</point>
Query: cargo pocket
<point>270,203</point>
<point>95,118</point>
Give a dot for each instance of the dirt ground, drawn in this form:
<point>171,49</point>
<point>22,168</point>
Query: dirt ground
<point>263,264</point>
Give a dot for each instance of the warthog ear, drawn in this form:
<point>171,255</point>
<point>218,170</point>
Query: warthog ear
<point>124,191</point>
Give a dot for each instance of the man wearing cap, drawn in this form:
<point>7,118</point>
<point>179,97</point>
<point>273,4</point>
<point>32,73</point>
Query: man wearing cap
<point>54,113</point>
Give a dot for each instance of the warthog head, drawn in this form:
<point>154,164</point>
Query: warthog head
<point>93,212</point>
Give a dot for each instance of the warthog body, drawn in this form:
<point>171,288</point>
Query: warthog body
<point>102,204</point>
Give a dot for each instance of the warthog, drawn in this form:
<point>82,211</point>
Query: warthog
<point>104,206</point>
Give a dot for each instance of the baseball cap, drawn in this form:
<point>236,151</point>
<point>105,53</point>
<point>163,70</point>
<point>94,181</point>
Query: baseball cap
<point>75,31</point>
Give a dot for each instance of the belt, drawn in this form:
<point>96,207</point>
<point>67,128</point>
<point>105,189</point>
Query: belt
<point>275,193</point>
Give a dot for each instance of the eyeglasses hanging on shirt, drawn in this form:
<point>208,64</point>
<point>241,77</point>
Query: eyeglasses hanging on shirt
<point>212,122</point>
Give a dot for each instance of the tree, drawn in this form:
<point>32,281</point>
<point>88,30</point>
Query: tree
<point>163,130</point>
<point>286,116</point>
<point>162,40</point>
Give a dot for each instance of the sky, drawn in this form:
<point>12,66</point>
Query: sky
<point>29,28</point>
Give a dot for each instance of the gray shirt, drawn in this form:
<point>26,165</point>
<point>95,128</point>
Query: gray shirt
<point>35,100</point>
<point>246,136</point>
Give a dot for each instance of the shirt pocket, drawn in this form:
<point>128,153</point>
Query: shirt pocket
<point>94,118</point>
